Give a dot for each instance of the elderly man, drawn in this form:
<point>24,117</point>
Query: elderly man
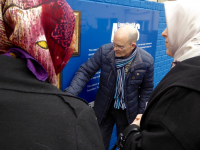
<point>126,81</point>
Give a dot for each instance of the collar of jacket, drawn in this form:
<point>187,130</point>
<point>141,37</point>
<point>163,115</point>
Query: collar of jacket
<point>111,58</point>
<point>136,63</point>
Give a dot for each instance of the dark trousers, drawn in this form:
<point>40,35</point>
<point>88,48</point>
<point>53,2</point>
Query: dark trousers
<point>117,116</point>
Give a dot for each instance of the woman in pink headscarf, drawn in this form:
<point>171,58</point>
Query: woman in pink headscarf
<point>42,28</point>
<point>36,41</point>
<point>171,120</point>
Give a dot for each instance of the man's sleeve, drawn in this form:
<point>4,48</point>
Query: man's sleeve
<point>85,72</point>
<point>146,87</point>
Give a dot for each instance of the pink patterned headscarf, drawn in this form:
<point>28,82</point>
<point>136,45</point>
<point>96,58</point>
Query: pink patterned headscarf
<point>43,28</point>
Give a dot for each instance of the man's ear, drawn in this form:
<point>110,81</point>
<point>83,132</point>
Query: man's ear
<point>133,45</point>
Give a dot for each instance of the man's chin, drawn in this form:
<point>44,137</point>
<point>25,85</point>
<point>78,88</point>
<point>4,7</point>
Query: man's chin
<point>117,55</point>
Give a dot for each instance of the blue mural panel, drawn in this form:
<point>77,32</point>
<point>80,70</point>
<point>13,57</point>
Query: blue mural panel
<point>99,22</point>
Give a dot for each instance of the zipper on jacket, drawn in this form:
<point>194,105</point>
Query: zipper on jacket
<point>125,94</point>
<point>109,77</point>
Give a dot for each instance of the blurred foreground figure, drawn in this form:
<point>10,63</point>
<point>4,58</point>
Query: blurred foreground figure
<point>171,120</point>
<point>36,42</point>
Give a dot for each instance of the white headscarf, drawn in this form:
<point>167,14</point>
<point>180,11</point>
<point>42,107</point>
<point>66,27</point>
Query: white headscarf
<point>183,25</point>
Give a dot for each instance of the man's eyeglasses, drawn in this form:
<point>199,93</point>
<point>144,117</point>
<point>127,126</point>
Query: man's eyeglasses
<point>120,47</point>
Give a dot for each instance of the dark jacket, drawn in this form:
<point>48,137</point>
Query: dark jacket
<point>171,120</point>
<point>138,84</point>
<point>36,115</point>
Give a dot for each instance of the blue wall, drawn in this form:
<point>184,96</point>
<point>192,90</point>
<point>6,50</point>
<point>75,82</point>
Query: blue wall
<point>162,61</point>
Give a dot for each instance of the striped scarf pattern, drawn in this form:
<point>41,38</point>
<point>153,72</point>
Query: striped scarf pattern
<point>119,91</point>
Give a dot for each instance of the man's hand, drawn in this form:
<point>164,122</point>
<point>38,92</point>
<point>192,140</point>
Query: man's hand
<point>137,120</point>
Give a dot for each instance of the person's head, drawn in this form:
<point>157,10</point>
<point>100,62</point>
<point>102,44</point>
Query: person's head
<point>43,28</point>
<point>125,40</point>
<point>183,28</point>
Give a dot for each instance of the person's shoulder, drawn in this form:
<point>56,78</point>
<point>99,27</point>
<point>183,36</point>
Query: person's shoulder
<point>78,100</point>
<point>146,57</point>
<point>66,96</point>
<point>106,48</point>
<point>145,53</point>
<point>78,105</point>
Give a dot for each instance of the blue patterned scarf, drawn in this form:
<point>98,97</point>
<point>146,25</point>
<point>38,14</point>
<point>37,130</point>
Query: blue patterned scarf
<point>119,91</point>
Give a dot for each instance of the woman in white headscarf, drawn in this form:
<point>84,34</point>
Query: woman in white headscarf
<point>171,120</point>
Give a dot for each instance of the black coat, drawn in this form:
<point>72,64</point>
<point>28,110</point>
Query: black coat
<point>138,83</point>
<point>36,115</point>
<point>171,120</point>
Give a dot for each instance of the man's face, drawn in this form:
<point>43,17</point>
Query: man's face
<point>122,45</point>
